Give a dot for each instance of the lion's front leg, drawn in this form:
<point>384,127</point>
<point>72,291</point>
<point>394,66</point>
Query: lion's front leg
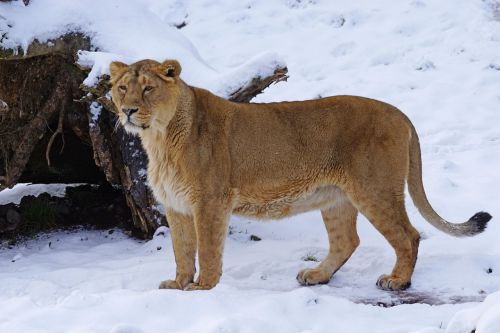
<point>183,234</point>
<point>211,221</point>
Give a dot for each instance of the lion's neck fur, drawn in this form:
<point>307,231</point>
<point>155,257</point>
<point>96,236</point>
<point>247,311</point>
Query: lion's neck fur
<point>173,128</point>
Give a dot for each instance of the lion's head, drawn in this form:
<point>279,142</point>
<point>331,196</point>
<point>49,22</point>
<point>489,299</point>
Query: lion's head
<point>145,93</point>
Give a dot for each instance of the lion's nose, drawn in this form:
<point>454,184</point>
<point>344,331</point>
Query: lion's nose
<point>129,111</point>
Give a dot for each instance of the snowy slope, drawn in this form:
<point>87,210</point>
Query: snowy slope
<point>438,61</point>
<point>125,31</point>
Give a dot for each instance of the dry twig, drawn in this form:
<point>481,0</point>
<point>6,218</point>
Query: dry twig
<point>59,130</point>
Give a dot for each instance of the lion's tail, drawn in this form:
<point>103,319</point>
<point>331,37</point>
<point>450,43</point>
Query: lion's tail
<point>475,225</point>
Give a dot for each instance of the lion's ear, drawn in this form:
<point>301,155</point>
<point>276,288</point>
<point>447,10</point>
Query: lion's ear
<point>171,68</point>
<point>116,67</point>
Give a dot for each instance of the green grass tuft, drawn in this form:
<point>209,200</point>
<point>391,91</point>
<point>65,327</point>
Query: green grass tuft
<point>310,257</point>
<point>38,215</point>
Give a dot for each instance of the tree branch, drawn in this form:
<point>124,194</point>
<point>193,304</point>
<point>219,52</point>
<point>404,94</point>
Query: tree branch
<point>58,131</point>
<point>257,85</point>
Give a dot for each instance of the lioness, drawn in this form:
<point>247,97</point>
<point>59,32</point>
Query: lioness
<point>210,158</point>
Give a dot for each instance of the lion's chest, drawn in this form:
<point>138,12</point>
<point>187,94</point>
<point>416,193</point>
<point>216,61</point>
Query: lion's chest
<point>169,187</point>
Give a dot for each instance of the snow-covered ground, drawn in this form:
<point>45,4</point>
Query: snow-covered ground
<point>438,61</point>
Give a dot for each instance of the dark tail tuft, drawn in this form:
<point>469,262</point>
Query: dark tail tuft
<point>479,221</point>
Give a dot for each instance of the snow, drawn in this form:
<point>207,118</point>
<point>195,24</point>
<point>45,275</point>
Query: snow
<point>95,110</point>
<point>96,282</point>
<point>484,318</point>
<point>18,191</point>
<point>142,172</point>
<point>435,60</point>
<point>112,27</point>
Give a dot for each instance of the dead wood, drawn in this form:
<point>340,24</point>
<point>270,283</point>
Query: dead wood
<point>59,131</point>
<point>257,84</point>
<point>38,95</point>
<point>47,133</point>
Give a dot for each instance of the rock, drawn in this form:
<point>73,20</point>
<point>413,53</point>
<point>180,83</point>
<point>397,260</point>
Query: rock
<point>63,208</point>
<point>13,219</point>
<point>3,224</point>
<point>4,107</point>
<point>90,206</point>
<point>8,218</point>
<point>255,238</point>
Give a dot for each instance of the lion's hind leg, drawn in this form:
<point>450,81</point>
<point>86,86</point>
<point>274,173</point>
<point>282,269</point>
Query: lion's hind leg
<point>340,223</point>
<point>386,211</point>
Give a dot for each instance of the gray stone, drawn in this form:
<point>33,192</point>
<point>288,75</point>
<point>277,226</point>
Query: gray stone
<point>13,219</point>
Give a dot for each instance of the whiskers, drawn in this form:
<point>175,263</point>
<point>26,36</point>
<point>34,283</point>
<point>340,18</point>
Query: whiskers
<point>117,124</point>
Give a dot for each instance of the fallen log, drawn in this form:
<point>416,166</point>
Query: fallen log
<point>43,109</point>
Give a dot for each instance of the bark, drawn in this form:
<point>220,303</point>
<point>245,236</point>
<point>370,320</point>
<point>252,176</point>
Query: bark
<point>35,91</point>
<point>257,85</point>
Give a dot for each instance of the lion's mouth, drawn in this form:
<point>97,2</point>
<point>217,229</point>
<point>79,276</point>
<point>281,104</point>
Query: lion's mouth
<point>137,126</point>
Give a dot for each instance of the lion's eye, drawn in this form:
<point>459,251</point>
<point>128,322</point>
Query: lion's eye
<point>122,88</point>
<point>148,88</point>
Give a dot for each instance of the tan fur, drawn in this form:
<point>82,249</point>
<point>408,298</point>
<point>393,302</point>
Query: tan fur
<point>209,158</point>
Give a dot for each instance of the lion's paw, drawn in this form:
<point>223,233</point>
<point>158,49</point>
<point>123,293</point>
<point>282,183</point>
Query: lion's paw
<point>197,286</point>
<point>169,284</point>
<point>309,277</point>
<point>388,282</point>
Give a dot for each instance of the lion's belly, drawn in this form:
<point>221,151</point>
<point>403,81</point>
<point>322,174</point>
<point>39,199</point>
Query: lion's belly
<point>279,207</point>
